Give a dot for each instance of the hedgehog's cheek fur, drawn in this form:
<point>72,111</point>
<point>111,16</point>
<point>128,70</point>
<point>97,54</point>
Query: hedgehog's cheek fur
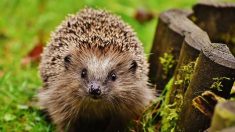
<point>66,101</point>
<point>125,101</point>
<point>61,106</point>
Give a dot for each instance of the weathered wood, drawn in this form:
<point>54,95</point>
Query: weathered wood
<point>206,102</point>
<point>224,117</point>
<point>180,34</point>
<point>215,61</point>
<point>230,129</point>
<point>192,45</point>
<point>218,20</point>
<point>168,39</point>
<point>194,39</point>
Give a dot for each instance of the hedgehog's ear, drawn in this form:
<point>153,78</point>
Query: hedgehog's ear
<point>67,61</point>
<point>133,66</point>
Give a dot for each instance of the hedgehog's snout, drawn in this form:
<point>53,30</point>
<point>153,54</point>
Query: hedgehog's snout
<point>94,89</point>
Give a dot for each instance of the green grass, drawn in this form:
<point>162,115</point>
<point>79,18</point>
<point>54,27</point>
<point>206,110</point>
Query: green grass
<point>23,23</point>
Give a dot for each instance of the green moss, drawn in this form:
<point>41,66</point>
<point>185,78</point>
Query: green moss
<point>226,112</point>
<point>217,84</point>
<point>169,111</point>
<point>167,61</point>
<point>149,118</point>
<point>185,74</point>
<point>170,115</point>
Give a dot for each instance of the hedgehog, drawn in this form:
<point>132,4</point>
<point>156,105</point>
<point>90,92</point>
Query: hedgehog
<point>94,74</point>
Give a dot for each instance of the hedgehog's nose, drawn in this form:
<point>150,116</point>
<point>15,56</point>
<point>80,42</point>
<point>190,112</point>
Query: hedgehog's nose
<point>94,89</point>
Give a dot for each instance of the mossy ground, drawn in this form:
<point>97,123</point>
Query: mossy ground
<point>25,23</point>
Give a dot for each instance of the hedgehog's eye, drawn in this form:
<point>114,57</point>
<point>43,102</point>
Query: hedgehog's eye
<point>133,66</point>
<point>67,60</point>
<point>112,76</point>
<point>84,73</point>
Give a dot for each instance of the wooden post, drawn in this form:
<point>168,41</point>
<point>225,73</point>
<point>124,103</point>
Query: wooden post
<point>192,45</point>
<point>167,42</point>
<point>218,20</point>
<point>224,116</point>
<point>230,129</point>
<point>180,38</point>
<point>215,71</point>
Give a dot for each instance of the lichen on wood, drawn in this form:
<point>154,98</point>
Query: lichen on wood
<point>224,116</point>
<point>169,112</point>
<point>185,74</point>
<point>217,84</point>
<point>167,61</point>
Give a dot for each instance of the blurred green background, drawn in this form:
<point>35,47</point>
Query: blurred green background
<point>27,23</point>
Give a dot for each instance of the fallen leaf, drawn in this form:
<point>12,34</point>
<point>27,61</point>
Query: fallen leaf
<point>142,15</point>
<point>206,102</point>
<point>34,55</point>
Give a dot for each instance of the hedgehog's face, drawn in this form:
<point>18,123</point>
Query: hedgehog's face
<point>102,76</point>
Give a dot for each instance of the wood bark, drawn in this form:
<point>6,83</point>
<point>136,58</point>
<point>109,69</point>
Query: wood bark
<point>218,20</point>
<point>215,61</point>
<point>224,117</point>
<point>168,39</point>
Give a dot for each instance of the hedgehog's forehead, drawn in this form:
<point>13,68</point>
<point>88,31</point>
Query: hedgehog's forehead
<point>100,61</point>
<point>99,65</point>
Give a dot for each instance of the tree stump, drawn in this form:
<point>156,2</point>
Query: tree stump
<point>167,44</point>
<point>215,62</point>
<point>189,36</point>
<point>218,20</point>
<point>224,117</point>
